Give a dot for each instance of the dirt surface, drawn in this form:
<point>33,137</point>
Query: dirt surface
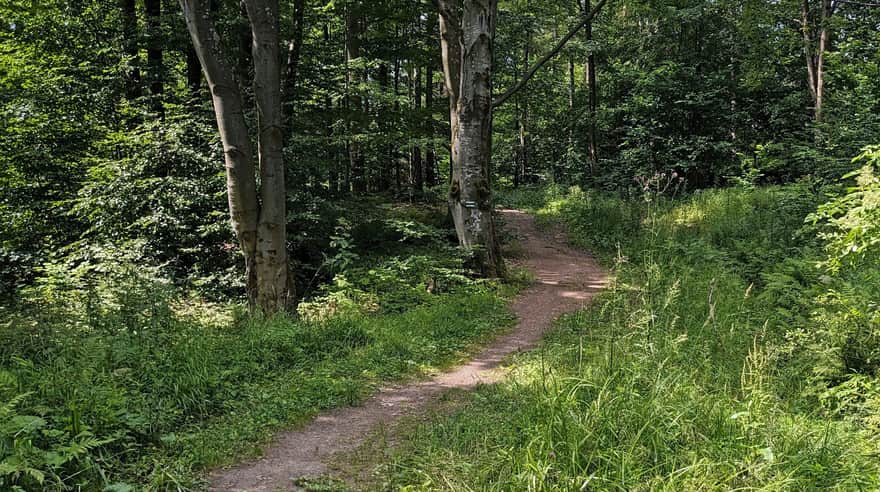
<point>566,280</point>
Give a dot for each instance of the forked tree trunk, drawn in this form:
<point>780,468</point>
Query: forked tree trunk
<point>259,222</point>
<point>467,32</point>
<point>814,50</point>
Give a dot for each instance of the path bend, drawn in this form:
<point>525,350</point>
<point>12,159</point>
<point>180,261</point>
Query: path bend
<point>566,280</point>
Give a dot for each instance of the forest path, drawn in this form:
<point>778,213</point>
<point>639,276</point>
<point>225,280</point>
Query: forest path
<point>566,280</point>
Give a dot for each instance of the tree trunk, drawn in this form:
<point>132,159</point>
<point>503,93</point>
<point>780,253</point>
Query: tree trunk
<point>245,43</point>
<point>827,11</point>
<point>430,158</point>
<point>130,48</point>
<point>523,119</point>
<point>153,9</point>
<point>467,31</point>
<point>259,227</point>
<point>591,88</point>
<point>274,288</point>
<point>814,51</point>
<point>398,181</point>
<point>418,181</point>
<point>353,26</point>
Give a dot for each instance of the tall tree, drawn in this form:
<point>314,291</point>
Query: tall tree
<point>258,215</point>
<point>592,93</point>
<point>467,34</point>
<point>354,27</point>
<point>816,34</point>
<point>416,174</point>
<point>430,156</point>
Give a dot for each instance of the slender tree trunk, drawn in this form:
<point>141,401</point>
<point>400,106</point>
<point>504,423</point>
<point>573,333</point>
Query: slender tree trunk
<point>430,158</point>
<point>809,51</point>
<point>398,181</point>
<point>814,50</point>
<point>130,48</point>
<point>467,32</point>
<point>824,33</point>
<point>153,9</point>
<point>592,92</point>
<point>245,42</point>
<point>241,185</point>
<point>418,182</point>
<point>259,220</point>
<point>354,28</point>
<point>524,137</point>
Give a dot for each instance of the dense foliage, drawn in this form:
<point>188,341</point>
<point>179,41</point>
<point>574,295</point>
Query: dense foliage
<point>721,357</point>
<point>738,347</point>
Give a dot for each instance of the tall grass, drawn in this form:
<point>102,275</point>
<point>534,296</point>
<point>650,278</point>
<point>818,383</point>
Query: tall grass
<point>112,380</point>
<point>678,377</point>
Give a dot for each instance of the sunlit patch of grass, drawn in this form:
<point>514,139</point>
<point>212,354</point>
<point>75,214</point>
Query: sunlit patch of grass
<point>673,380</point>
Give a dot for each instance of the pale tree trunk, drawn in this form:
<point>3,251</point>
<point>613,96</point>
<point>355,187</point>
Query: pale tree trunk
<point>467,31</point>
<point>259,227</point>
<point>814,51</point>
<point>274,288</point>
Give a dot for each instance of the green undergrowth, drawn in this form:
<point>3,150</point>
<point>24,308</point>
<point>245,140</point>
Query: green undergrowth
<point>112,379</point>
<point>723,356</point>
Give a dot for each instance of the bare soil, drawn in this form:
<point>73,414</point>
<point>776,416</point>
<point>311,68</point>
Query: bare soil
<point>566,279</point>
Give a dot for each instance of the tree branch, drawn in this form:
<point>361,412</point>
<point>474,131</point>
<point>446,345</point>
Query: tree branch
<point>555,51</point>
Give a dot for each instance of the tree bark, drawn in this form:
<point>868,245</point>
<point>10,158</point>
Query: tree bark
<point>259,221</point>
<point>467,32</point>
<point>274,288</point>
<point>245,42</point>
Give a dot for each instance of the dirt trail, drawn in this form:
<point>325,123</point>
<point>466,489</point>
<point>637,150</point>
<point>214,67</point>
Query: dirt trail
<point>566,280</point>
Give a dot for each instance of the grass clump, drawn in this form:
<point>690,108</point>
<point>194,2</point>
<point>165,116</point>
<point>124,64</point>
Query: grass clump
<point>112,379</point>
<point>719,358</point>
